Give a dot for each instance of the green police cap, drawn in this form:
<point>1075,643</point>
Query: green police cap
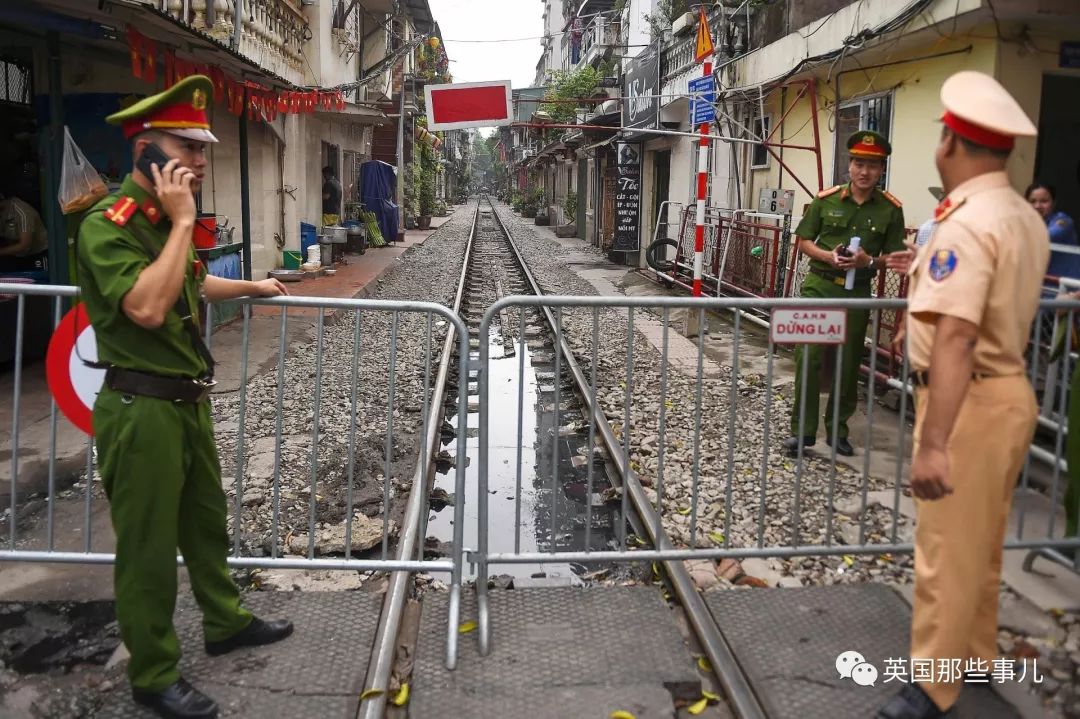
<point>180,110</point>
<point>867,143</point>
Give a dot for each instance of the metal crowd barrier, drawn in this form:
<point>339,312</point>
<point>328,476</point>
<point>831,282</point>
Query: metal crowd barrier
<point>320,486</point>
<point>716,438</point>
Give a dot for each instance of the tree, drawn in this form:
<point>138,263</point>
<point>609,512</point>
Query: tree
<point>566,85</point>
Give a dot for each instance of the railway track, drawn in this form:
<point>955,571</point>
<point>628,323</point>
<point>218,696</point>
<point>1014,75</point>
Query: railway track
<point>494,268</point>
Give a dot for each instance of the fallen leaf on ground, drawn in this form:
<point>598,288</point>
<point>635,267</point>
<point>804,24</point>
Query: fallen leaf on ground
<point>698,707</point>
<point>402,696</point>
<point>466,627</point>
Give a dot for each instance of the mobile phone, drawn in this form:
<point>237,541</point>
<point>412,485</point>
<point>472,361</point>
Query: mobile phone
<point>843,251</point>
<point>151,154</point>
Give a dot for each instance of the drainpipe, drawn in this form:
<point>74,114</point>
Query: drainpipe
<point>245,189</point>
<point>238,23</point>
<point>401,154</point>
<point>57,224</point>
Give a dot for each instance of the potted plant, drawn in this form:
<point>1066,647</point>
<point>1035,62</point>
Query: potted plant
<point>570,207</point>
<point>411,194</point>
<point>426,197</point>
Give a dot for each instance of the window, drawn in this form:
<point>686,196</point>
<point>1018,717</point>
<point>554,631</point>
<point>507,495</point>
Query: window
<point>866,113</point>
<point>759,155</point>
<point>14,82</point>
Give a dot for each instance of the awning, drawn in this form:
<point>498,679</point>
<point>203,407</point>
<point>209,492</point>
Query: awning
<point>356,114</point>
<point>602,143</point>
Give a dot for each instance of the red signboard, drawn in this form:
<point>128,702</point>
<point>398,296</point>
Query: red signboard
<point>469,104</point>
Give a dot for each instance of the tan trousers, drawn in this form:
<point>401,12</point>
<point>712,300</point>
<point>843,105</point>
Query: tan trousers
<point>958,539</point>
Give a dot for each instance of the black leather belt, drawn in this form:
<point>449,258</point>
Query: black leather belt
<point>837,279</point>
<point>144,384</point>
<point>921,377</point>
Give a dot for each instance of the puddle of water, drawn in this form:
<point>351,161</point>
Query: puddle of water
<point>543,515</point>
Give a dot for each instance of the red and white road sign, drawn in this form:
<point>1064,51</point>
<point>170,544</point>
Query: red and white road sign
<point>469,104</point>
<point>813,326</point>
<point>74,386</point>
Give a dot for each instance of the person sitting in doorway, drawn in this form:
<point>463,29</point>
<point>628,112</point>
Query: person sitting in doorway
<point>1043,198</point>
<point>331,197</point>
<point>24,244</point>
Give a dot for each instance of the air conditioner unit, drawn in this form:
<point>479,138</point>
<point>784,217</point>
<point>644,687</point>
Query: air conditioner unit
<point>683,23</point>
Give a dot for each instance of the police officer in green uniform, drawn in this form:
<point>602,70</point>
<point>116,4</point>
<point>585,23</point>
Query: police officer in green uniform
<point>141,282</point>
<point>856,209</point>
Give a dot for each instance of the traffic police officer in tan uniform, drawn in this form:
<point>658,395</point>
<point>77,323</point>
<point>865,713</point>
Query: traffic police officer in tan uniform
<point>856,209</point>
<point>141,283</point>
<point>976,287</point>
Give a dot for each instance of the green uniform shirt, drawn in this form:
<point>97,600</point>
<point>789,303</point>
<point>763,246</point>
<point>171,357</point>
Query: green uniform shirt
<point>833,219</point>
<point>110,258</point>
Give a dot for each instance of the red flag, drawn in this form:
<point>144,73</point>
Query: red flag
<point>150,71</point>
<point>218,78</point>
<point>135,48</point>
<point>170,68</point>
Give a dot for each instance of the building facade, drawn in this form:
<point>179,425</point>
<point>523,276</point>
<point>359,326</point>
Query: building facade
<point>300,89</point>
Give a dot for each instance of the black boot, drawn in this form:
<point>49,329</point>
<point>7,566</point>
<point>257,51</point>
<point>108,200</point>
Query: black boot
<point>179,700</point>
<point>911,702</point>
<point>791,444</point>
<point>843,447</point>
<point>255,634</point>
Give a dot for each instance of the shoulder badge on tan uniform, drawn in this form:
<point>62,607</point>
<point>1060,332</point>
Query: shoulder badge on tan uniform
<point>122,211</point>
<point>946,208</point>
<point>831,191</point>
<point>889,196</point>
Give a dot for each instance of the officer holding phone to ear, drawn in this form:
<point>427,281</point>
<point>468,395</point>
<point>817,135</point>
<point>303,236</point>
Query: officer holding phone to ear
<point>141,282</point>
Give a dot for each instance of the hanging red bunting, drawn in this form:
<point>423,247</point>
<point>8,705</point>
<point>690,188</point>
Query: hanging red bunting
<point>260,101</point>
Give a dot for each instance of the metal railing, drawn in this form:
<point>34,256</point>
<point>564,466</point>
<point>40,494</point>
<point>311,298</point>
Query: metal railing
<point>704,441</point>
<point>599,36</point>
<point>304,490</point>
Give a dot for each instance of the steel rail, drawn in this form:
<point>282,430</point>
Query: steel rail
<point>735,684</point>
<point>381,663</point>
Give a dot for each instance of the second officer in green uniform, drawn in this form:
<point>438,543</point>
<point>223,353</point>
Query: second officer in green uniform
<point>141,282</point>
<point>856,209</point>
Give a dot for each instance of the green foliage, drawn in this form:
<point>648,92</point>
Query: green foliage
<point>429,169</point>
<point>566,85</point>
<point>411,188</point>
<point>571,207</point>
<point>666,13</point>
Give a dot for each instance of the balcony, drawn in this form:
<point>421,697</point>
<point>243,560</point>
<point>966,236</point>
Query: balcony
<point>677,67</point>
<point>598,40</point>
<point>272,32</point>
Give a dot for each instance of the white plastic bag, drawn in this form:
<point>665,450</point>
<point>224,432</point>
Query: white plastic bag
<point>80,184</point>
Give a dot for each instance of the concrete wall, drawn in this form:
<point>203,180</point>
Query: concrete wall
<point>820,37</point>
<point>638,33</point>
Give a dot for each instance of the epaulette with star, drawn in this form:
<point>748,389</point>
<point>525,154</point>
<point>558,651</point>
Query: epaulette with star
<point>831,191</point>
<point>122,211</point>
<point>891,198</point>
<point>946,208</point>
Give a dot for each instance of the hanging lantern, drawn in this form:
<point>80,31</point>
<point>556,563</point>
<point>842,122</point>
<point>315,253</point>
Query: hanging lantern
<point>433,42</point>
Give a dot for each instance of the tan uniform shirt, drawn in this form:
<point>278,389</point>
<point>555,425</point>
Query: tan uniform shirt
<point>984,263</point>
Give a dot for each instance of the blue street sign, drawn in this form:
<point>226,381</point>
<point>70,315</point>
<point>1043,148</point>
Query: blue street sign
<point>702,111</point>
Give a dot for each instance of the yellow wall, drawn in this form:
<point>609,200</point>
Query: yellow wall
<point>914,127</point>
<point>1018,65</point>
